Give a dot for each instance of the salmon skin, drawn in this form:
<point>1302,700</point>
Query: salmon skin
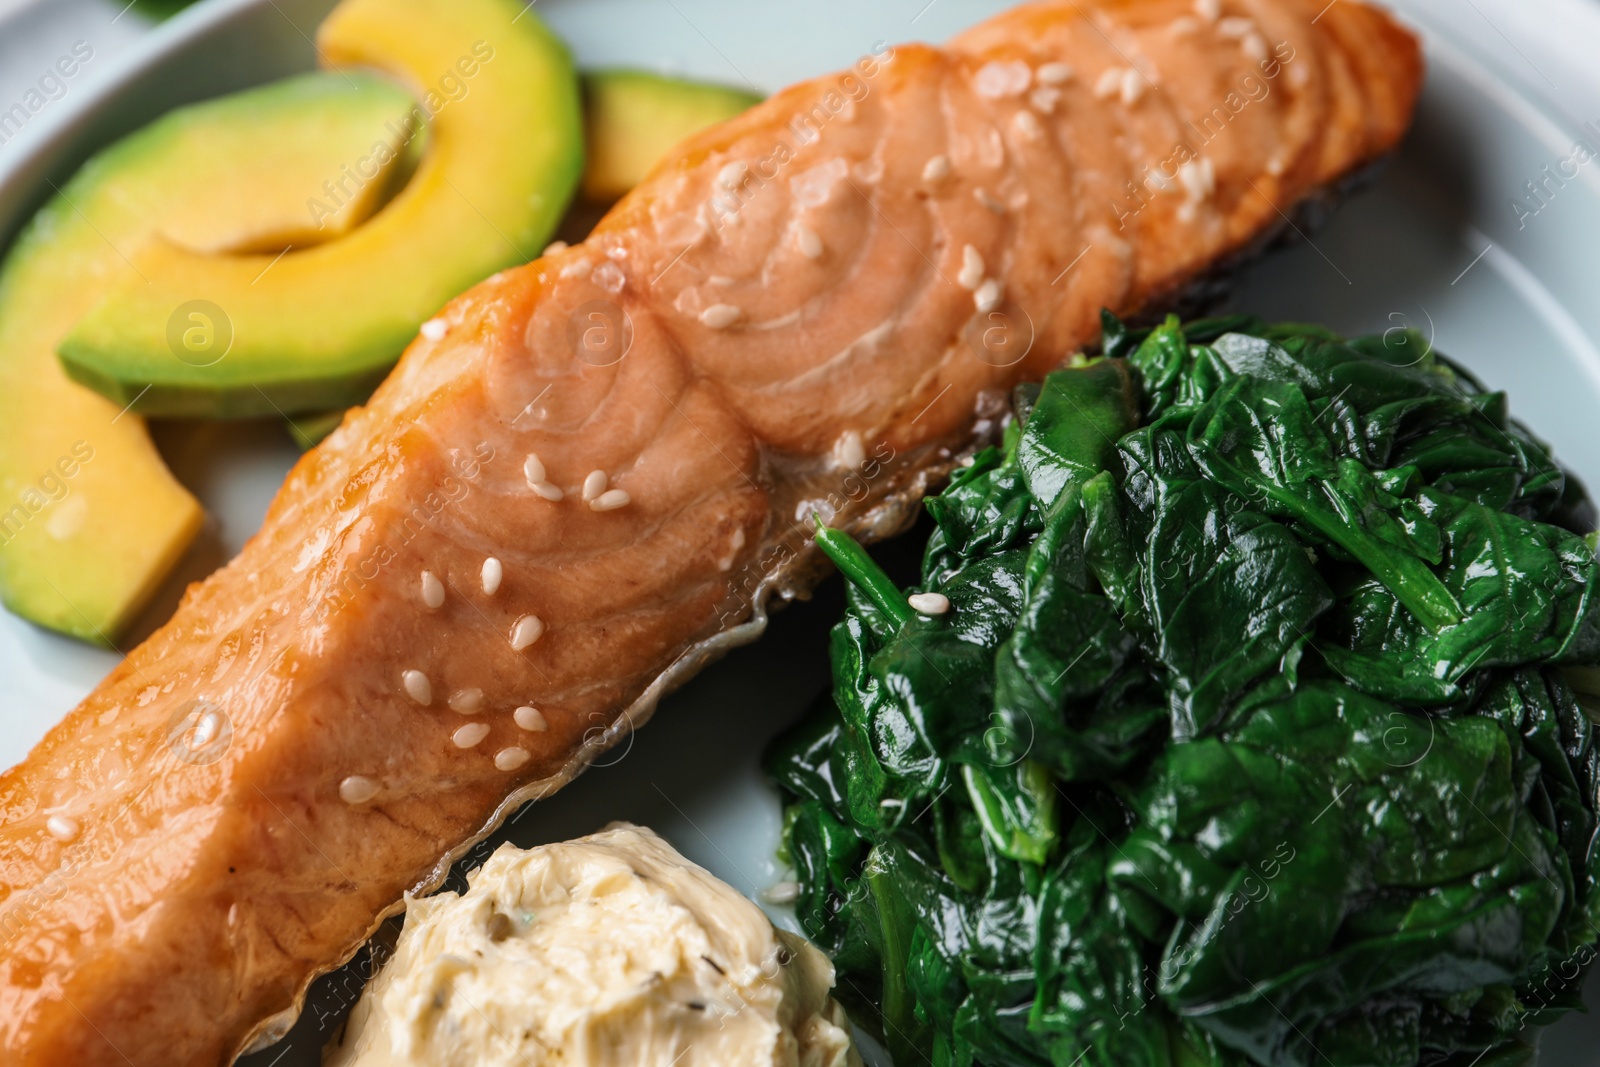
<point>590,474</point>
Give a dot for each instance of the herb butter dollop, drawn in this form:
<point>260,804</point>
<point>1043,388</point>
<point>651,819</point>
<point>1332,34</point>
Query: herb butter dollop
<point>608,950</point>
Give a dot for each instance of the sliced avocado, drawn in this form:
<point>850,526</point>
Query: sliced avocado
<point>320,326</point>
<point>90,519</point>
<point>635,118</point>
<point>283,200</point>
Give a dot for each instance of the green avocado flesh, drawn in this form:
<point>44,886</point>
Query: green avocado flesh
<point>317,328</point>
<point>635,118</point>
<point>90,519</point>
<point>1250,726</point>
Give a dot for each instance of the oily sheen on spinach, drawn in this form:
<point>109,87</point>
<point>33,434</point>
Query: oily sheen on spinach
<point>1254,734</point>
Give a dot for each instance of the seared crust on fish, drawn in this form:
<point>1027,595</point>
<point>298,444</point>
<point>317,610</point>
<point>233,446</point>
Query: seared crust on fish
<point>591,478</point>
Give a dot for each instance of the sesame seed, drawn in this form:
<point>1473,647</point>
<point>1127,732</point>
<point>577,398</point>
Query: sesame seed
<point>548,490</point>
<point>721,316</point>
<point>466,701</point>
<point>1255,47</point>
<point>526,631</point>
<point>1275,166</point>
<point>1133,85</point>
<point>417,687</point>
<point>357,789</point>
<point>1045,100</point>
<point>533,469</point>
<point>435,329</point>
<point>782,892</point>
<point>594,485</point>
<point>1055,73</point>
<point>205,729</point>
<point>578,268</point>
<point>1184,26</point>
<point>1199,178</point>
<point>809,242</point>
<point>1189,175</point>
<point>996,80</point>
<point>530,719</point>
<point>972,269</point>
<point>62,828</point>
<point>1210,10</point>
<point>610,500</point>
<point>492,575</point>
<point>929,603</point>
<point>937,169</point>
<point>1109,85</point>
<point>1027,125</point>
<point>556,247</point>
<point>852,453</point>
<point>1235,27</point>
<point>432,590</point>
<point>470,734</point>
<point>609,277</point>
<point>730,176</point>
<point>509,759</point>
<point>989,296</point>
<point>988,200</point>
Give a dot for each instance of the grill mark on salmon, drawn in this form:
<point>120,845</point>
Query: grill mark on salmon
<point>188,889</point>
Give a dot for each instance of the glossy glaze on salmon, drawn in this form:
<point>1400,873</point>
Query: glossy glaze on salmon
<point>817,306</point>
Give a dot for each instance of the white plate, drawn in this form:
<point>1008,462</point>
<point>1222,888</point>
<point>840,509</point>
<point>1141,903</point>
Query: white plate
<point>1436,245</point>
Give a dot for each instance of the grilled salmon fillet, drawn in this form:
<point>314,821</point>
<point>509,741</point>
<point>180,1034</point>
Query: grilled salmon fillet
<point>588,475</point>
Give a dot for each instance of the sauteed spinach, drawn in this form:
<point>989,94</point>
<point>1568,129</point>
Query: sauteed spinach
<point>1255,733</point>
